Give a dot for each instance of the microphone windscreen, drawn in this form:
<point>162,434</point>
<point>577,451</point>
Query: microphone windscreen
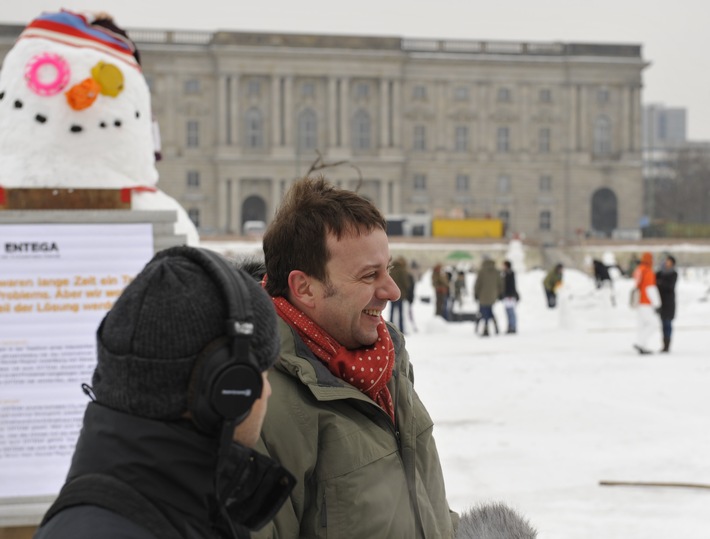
<point>494,521</point>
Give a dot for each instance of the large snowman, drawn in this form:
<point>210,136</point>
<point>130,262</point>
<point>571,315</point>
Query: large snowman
<point>75,113</point>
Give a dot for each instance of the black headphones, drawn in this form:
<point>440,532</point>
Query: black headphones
<point>226,380</point>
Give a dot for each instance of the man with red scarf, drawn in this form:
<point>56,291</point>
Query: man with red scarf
<point>344,417</point>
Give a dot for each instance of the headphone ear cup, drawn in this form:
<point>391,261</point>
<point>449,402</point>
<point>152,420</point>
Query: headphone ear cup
<point>223,390</point>
<point>234,391</point>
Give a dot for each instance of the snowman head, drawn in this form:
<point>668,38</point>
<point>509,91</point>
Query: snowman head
<point>74,108</point>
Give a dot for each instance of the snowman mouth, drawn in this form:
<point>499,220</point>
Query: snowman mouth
<point>73,128</point>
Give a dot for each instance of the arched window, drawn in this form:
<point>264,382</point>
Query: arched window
<point>602,136</point>
<point>361,130</point>
<point>307,130</point>
<point>254,136</point>
<point>605,211</point>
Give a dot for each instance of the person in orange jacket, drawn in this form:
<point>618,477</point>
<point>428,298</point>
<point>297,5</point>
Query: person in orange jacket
<point>648,300</point>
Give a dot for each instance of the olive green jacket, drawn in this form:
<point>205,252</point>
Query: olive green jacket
<point>358,476</point>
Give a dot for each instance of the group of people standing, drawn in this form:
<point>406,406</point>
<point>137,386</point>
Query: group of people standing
<point>654,294</point>
<point>490,285</point>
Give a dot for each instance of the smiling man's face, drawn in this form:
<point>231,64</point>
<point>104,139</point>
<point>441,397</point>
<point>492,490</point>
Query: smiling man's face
<point>349,305</point>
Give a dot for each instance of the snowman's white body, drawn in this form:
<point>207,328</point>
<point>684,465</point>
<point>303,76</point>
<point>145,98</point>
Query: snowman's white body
<point>44,143</point>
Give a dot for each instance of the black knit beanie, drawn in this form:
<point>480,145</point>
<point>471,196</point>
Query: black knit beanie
<point>149,341</point>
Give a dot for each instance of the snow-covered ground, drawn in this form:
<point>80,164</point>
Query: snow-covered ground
<point>538,419</point>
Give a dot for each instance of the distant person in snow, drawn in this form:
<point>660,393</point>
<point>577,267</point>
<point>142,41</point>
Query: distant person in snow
<point>666,279</point>
<point>648,300</point>
<point>487,288</point>
<point>510,296</point>
<point>440,282</point>
<point>400,275</point>
<point>551,283</point>
<point>602,278</point>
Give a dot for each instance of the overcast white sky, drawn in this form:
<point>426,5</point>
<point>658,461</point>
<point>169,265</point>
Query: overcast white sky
<point>674,35</point>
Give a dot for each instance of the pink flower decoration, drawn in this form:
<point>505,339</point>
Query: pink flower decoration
<point>47,74</point>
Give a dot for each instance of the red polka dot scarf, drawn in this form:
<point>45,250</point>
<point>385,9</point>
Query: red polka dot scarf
<point>368,369</point>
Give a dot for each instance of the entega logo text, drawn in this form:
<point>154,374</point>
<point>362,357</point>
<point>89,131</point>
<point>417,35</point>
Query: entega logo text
<point>32,247</point>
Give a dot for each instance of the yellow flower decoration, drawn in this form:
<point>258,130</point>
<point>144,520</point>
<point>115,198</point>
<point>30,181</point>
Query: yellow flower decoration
<point>109,78</point>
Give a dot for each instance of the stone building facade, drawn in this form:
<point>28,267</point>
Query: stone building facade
<point>546,136</point>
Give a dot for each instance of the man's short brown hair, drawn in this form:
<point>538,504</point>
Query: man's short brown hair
<point>296,238</point>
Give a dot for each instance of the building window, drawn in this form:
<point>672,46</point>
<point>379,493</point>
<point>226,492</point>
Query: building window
<point>193,134</point>
<point>308,89</point>
<point>193,179</point>
<point>504,215</point>
<point>545,95</point>
<point>602,136</point>
<point>462,183</point>
<point>362,90</point>
<point>307,130</point>
<point>419,92</point>
<point>362,130</point>
<point>254,133</point>
<point>503,183</point>
<point>503,139</point>
<point>545,220</point>
<point>420,182</point>
<point>461,93</point>
<point>194,215</point>
<point>504,95</point>
<point>419,143</point>
<point>461,138</point>
<point>254,88</point>
<point>603,96</point>
<point>192,86</point>
<point>543,143</point>
<point>150,82</point>
<point>545,184</point>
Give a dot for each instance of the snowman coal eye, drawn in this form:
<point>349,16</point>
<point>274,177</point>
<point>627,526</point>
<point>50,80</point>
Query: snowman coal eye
<point>47,74</point>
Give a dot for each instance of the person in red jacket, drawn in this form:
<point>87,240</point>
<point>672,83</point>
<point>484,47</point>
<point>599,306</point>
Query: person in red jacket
<point>649,300</point>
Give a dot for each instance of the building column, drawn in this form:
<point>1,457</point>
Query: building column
<point>168,130</point>
<point>624,119</point>
<point>275,197</point>
<point>524,140</point>
<point>222,206</point>
<point>440,137</point>
<point>236,206</point>
<point>288,111</point>
<point>384,112</point>
<point>396,197</point>
<point>344,112</point>
<point>571,114</point>
<point>332,140</point>
<point>234,111</point>
<point>276,140</point>
<point>397,114</point>
<point>634,118</point>
<point>223,110</point>
<point>582,120</point>
<point>484,137</point>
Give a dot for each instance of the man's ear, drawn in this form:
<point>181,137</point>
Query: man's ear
<point>301,289</point>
